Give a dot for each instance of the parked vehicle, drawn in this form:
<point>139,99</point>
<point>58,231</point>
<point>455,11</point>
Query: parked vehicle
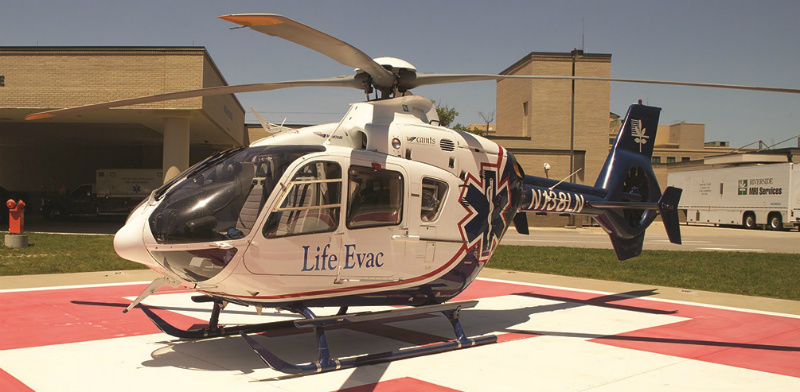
<point>115,192</point>
<point>764,195</point>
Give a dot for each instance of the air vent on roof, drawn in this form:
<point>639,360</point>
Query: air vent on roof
<point>447,145</point>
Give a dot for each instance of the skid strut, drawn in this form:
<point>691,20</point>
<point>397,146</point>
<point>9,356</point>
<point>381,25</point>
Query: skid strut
<point>326,363</point>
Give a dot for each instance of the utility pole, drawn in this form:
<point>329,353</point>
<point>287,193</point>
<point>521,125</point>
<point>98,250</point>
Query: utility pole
<point>576,54</point>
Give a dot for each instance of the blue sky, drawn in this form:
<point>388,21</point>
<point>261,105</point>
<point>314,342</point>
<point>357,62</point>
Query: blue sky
<point>737,42</point>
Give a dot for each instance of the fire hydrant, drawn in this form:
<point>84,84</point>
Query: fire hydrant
<point>16,216</point>
<point>16,224</point>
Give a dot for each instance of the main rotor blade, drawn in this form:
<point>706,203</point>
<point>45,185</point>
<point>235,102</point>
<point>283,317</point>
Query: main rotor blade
<point>427,79</point>
<point>341,81</point>
<point>291,30</point>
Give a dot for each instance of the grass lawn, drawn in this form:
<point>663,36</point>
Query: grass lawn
<point>56,253</point>
<point>757,274</point>
<point>761,274</point>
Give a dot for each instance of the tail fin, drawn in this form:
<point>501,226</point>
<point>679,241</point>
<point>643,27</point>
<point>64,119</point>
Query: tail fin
<point>632,189</point>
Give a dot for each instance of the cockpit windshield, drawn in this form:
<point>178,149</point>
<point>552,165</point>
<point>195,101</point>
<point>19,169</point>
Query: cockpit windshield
<point>221,198</point>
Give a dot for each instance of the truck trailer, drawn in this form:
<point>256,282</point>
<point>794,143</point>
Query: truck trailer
<point>763,195</point>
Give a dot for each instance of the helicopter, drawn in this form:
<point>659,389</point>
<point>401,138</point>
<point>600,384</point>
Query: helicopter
<point>383,208</point>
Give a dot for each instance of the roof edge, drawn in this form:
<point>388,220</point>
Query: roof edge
<point>563,55</point>
<point>99,48</point>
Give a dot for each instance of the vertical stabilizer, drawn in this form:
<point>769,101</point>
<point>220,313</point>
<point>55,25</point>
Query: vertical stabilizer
<point>628,176</point>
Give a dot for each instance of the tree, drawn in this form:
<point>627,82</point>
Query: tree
<point>446,114</point>
<point>472,130</point>
<point>487,119</point>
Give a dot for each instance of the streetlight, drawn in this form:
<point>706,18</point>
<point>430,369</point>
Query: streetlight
<point>576,54</point>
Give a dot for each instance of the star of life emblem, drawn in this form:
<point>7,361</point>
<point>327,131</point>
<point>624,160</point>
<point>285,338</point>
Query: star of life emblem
<point>639,133</point>
<point>487,199</point>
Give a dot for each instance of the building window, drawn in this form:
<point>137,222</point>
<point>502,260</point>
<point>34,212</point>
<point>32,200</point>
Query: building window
<point>685,159</point>
<point>655,159</point>
<point>525,125</point>
<point>612,140</point>
<point>375,198</point>
<point>311,203</point>
<point>670,159</point>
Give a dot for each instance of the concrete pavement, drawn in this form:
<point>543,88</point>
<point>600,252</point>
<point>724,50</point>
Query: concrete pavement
<point>548,339</point>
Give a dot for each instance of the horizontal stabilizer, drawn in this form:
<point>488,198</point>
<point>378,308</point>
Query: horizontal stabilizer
<point>521,223</point>
<point>668,207</point>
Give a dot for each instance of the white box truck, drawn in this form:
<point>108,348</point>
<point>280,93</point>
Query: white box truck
<point>764,195</point>
<point>136,183</point>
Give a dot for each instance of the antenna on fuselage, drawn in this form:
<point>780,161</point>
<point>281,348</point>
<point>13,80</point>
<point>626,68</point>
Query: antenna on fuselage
<point>563,179</point>
<point>346,116</point>
<point>268,126</point>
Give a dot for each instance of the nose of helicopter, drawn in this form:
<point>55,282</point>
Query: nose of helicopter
<point>129,241</point>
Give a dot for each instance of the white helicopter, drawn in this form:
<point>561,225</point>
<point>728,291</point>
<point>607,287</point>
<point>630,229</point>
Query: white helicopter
<point>385,207</point>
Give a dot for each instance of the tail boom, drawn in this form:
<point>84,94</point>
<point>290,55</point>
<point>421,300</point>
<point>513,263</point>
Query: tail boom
<point>626,197</point>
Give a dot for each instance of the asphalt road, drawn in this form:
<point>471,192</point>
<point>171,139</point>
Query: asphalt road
<point>695,238</point>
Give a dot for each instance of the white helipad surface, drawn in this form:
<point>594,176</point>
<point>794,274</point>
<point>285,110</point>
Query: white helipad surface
<point>550,339</point>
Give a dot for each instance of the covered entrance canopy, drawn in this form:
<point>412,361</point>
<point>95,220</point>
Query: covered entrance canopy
<point>42,155</point>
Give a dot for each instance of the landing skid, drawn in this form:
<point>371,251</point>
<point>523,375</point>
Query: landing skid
<point>213,330</point>
<point>319,324</point>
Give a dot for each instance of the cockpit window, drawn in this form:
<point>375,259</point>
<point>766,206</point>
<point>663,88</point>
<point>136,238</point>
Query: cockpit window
<point>311,204</point>
<point>221,198</point>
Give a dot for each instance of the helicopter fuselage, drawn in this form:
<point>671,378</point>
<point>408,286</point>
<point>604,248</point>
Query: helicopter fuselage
<point>382,208</point>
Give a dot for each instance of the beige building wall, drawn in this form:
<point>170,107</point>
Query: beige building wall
<point>682,136</point>
<point>547,124</point>
<point>63,77</point>
<point>534,117</point>
<point>224,111</point>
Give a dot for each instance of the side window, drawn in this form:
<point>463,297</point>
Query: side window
<point>375,198</point>
<point>433,192</point>
<point>311,203</point>
<point>82,192</point>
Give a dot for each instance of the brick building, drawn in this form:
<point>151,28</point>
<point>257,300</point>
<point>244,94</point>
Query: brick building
<point>534,117</point>
<point>40,156</point>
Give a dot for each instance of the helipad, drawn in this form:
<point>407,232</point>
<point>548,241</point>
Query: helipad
<point>549,339</point>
